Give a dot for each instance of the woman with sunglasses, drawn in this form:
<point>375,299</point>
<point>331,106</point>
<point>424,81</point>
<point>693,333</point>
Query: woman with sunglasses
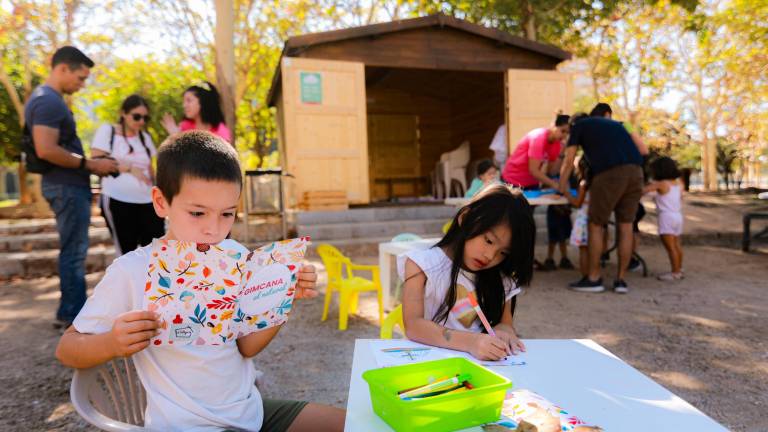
<point>202,111</point>
<point>126,196</point>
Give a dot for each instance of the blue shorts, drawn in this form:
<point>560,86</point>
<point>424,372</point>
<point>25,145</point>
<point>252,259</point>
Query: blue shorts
<point>558,223</point>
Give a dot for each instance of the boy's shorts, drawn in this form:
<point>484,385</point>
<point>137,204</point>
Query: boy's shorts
<point>279,414</point>
<point>558,223</point>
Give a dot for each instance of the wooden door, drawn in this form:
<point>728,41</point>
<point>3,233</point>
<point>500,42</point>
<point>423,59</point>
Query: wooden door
<point>324,127</point>
<point>393,152</point>
<point>533,99</point>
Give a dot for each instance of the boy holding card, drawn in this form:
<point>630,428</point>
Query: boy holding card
<point>189,387</point>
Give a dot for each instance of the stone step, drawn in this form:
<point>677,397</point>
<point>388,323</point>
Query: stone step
<point>376,214</point>
<point>354,230</point>
<point>12,227</point>
<point>44,263</point>
<point>48,240</point>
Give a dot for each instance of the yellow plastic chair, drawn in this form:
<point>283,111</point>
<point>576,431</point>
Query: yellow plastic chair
<point>349,286</point>
<point>447,226</point>
<point>395,318</point>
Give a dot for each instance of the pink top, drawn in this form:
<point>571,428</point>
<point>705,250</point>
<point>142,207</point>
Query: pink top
<point>221,131</point>
<point>533,145</point>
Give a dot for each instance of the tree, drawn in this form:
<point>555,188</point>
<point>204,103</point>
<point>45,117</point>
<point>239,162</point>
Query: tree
<point>160,82</point>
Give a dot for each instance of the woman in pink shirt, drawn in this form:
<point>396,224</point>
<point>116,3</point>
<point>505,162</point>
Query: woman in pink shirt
<point>524,166</point>
<point>202,111</point>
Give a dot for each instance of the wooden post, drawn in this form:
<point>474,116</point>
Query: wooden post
<point>225,60</point>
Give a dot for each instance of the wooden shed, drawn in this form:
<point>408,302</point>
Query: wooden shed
<point>369,110</point>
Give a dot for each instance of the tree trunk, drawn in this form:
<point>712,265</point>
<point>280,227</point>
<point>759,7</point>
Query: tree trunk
<point>529,20</point>
<point>225,60</point>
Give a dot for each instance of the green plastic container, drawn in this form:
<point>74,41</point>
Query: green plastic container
<point>446,412</point>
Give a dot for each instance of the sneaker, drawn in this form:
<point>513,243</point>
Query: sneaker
<point>586,285</point>
<point>59,324</point>
<point>620,287</point>
<point>549,265</point>
<point>566,264</point>
<point>634,265</point>
<point>670,276</point>
<point>578,282</point>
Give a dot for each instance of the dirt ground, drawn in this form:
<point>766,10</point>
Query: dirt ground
<point>703,338</point>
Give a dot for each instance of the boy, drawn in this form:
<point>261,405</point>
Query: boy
<point>189,388</point>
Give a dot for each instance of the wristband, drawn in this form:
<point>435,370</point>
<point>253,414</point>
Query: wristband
<point>82,163</point>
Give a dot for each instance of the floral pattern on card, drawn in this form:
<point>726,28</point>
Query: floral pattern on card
<point>210,295</point>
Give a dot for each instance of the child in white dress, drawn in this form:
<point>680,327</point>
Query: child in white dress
<point>669,198</point>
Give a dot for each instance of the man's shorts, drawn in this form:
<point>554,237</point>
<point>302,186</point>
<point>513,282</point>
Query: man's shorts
<point>618,190</point>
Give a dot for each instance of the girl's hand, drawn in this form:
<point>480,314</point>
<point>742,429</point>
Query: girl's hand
<point>514,343</point>
<point>169,123</point>
<point>487,347</point>
<point>307,281</point>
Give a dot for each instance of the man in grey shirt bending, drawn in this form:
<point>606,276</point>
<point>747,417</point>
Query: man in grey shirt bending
<point>66,184</point>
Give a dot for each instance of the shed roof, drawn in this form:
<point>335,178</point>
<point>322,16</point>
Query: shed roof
<point>304,45</point>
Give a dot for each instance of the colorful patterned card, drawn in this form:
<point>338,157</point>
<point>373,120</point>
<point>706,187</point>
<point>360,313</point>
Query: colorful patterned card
<point>211,295</point>
<point>526,406</point>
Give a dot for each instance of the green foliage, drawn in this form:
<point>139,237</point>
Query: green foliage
<point>161,83</point>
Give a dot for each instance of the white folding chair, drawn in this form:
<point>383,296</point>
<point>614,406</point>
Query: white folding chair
<point>110,396</point>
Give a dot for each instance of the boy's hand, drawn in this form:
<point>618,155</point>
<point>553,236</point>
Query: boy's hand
<point>132,331</point>
<point>307,280</point>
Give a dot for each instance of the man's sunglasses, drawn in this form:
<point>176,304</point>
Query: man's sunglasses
<point>137,117</point>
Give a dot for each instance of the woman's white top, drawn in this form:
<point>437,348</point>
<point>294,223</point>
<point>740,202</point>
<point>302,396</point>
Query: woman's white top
<point>126,187</point>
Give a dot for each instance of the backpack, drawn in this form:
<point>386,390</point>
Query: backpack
<point>32,162</point>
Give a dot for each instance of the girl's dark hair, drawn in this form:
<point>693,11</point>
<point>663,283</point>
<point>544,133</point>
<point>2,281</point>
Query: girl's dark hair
<point>584,171</point>
<point>131,102</point>
<point>494,205</point>
<point>664,168</point>
<point>578,116</point>
<point>562,119</point>
<point>483,166</point>
<point>210,103</point>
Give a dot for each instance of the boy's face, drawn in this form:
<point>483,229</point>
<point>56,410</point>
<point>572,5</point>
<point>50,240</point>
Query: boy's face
<point>202,212</point>
<point>490,175</point>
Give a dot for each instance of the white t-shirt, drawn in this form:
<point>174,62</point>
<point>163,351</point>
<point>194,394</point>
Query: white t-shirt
<point>189,388</point>
<point>126,187</point>
<point>437,267</point>
<point>500,147</point>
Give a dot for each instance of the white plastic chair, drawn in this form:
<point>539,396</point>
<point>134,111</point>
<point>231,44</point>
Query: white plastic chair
<point>453,166</point>
<point>110,396</point>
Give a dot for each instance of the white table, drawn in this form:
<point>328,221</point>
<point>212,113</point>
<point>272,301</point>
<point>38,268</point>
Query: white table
<point>542,200</point>
<point>579,375</point>
<point>393,249</point>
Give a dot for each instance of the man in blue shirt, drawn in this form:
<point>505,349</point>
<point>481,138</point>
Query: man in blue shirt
<point>66,185</point>
<point>615,162</point>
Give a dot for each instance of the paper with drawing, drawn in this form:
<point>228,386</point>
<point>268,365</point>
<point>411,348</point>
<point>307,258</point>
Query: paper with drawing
<point>395,352</point>
<point>210,295</point>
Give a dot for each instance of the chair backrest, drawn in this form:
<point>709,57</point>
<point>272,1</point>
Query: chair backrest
<point>110,396</point>
<point>459,157</point>
<point>406,237</point>
<point>333,260</point>
<point>395,318</point>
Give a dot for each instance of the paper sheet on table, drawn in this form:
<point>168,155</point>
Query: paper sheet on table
<point>396,352</point>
